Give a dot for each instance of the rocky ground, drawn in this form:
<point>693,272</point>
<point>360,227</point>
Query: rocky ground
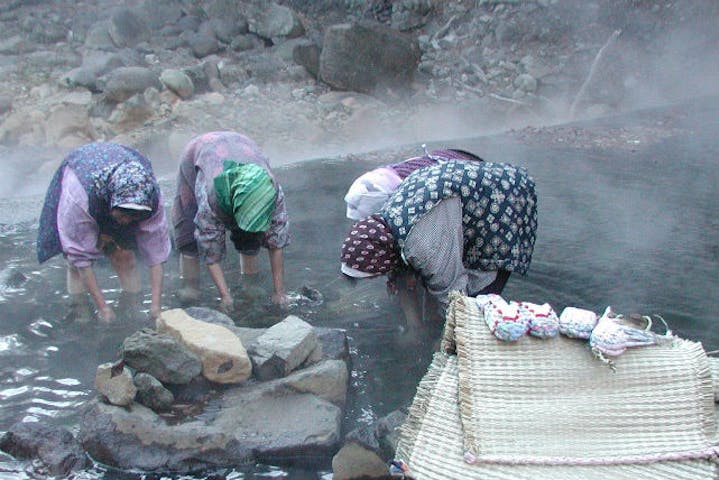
<point>485,66</point>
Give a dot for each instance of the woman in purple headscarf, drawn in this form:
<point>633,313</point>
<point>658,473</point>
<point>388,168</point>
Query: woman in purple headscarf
<point>104,200</point>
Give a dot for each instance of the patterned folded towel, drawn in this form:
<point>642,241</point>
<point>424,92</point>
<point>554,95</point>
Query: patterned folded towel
<point>577,323</point>
<point>542,319</point>
<point>612,338</point>
<point>504,320</point>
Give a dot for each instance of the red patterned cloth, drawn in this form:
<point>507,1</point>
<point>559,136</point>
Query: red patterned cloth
<point>370,247</point>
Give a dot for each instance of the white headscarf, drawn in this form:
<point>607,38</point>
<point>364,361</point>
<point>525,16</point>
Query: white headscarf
<point>369,191</point>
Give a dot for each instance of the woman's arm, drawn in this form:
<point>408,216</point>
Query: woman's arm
<point>279,295</point>
<point>87,274</point>
<point>218,277</point>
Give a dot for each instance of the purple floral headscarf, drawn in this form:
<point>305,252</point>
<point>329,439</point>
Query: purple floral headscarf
<point>131,183</point>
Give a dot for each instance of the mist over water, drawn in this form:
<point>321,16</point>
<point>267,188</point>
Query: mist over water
<point>627,215</point>
<point>632,226</point>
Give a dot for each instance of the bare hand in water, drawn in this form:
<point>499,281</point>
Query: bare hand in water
<point>155,312</point>
<point>227,305</point>
<point>280,299</point>
<point>107,314</point>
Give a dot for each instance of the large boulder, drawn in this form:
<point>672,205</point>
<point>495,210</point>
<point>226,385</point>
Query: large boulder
<point>124,82</point>
<point>363,56</point>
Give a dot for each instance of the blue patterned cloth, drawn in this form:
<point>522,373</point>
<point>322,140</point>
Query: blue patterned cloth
<point>499,210</point>
<point>111,175</point>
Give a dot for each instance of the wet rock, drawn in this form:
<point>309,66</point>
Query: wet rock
<point>327,379</point>
<point>161,356</point>
<point>211,315</point>
<point>114,382</point>
<point>283,347</point>
<point>56,447</point>
<point>354,461</point>
<point>151,393</point>
<point>236,430</point>
<point>137,438</point>
<point>334,343</point>
<point>13,278</point>
<point>224,358</point>
<point>368,449</point>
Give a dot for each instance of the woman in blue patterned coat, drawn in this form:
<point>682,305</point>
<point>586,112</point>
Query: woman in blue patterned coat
<point>461,225</point>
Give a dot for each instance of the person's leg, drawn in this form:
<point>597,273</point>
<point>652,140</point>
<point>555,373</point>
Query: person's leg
<point>190,275</point>
<point>80,309</point>
<point>249,264</point>
<point>251,283</point>
<point>74,282</point>
<point>248,246</point>
<point>124,263</point>
<point>410,293</point>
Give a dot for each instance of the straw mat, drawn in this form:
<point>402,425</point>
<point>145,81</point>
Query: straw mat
<point>431,444</point>
<point>549,409</point>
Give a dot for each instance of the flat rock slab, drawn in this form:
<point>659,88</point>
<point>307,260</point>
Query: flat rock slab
<point>265,422</point>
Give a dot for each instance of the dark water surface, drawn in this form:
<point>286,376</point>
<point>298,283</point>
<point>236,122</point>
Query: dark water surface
<point>632,227</point>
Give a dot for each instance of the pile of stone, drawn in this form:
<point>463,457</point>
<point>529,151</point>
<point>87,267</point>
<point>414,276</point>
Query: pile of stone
<point>198,392</point>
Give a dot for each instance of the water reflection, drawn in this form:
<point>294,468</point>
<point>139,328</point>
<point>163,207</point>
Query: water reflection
<point>637,230</point>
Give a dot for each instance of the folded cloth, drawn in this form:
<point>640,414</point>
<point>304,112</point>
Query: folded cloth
<point>504,319</point>
<point>612,338</point>
<point>542,319</point>
<point>482,300</point>
<point>577,323</point>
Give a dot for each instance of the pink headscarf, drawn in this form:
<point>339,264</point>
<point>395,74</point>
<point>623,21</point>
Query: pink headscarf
<point>369,191</point>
